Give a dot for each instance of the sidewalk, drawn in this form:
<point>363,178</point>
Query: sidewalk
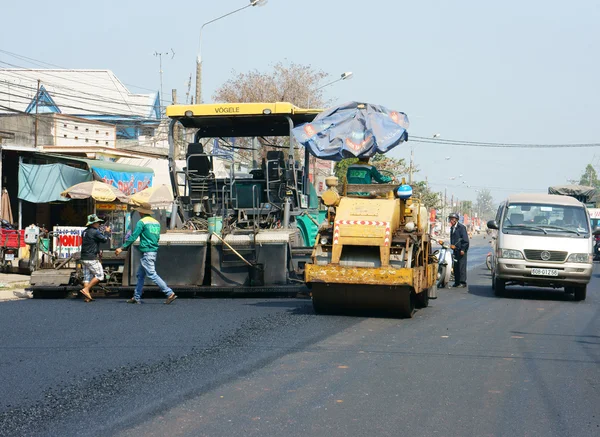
<point>12,283</point>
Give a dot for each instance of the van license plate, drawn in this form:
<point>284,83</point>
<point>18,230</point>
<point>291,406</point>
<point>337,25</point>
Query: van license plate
<point>9,257</point>
<point>544,272</point>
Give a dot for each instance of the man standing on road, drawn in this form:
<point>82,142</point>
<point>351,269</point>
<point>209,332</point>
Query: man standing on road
<point>148,229</point>
<point>459,243</point>
<point>93,272</point>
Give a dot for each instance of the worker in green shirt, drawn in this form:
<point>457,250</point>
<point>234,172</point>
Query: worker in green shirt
<point>148,229</point>
<point>364,173</point>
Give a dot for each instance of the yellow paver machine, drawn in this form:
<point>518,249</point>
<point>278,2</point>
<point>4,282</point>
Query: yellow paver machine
<point>373,251</point>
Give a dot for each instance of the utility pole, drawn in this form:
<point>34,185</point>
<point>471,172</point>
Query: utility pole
<point>37,104</point>
<point>176,135</point>
<point>160,71</point>
<point>410,173</point>
<point>187,94</point>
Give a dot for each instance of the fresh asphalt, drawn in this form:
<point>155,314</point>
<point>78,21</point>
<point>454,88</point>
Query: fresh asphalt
<point>470,364</point>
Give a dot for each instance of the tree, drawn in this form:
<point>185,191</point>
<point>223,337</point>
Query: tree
<point>292,83</point>
<point>466,207</point>
<point>430,199</point>
<point>590,177</point>
<point>485,204</point>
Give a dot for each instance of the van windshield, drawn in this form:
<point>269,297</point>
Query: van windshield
<point>541,219</point>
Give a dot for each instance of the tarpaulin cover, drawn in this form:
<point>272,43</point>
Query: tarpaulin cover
<point>578,191</point>
<point>127,182</point>
<point>353,130</point>
<point>44,183</point>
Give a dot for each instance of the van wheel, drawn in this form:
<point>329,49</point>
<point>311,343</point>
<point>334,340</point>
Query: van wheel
<point>580,292</point>
<point>498,285</point>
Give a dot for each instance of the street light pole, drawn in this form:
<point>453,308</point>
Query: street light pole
<point>343,76</point>
<point>199,57</point>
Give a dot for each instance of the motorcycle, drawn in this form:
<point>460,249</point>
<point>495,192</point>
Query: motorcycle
<point>445,262</point>
<point>597,248</point>
<point>9,247</point>
<point>488,261</point>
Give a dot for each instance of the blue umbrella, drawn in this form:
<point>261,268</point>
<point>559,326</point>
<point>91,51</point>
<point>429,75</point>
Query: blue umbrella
<point>353,130</point>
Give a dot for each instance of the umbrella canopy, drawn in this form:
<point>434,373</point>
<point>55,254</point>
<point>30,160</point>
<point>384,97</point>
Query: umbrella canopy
<point>5,209</point>
<point>157,197</point>
<point>353,130</point>
<point>96,190</point>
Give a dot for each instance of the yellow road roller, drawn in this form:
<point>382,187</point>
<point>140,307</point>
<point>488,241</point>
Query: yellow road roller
<point>373,252</point>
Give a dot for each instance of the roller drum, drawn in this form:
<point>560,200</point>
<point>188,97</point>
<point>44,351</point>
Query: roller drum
<point>396,301</point>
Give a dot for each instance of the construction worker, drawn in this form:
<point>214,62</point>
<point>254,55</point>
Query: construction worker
<point>364,173</point>
<point>148,229</point>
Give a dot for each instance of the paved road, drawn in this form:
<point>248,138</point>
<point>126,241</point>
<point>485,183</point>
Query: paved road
<point>469,365</point>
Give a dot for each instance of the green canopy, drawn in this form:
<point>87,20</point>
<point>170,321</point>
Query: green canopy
<point>44,183</point>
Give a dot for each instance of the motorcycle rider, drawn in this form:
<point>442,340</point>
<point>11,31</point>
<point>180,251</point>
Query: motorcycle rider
<point>459,243</point>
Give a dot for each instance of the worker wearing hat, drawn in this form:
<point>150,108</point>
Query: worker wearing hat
<point>148,230</point>
<point>459,242</point>
<point>93,272</point>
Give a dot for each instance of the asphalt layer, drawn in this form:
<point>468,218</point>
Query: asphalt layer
<point>469,364</point>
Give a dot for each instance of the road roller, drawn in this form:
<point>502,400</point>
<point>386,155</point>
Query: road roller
<point>373,253</point>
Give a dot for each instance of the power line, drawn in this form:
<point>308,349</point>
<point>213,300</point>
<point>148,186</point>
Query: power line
<point>42,63</point>
<point>80,93</point>
<point>462,143</point>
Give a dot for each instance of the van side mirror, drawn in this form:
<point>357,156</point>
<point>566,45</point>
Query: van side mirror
<point>492,225</point>
<point>596,231</point>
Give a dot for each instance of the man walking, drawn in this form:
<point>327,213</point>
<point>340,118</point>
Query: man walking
<point>93,272</point>
<point>148,229</point>
<point>459,243</point>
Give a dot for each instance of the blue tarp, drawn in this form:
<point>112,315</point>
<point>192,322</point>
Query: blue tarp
<point>351,130</point>
<point>44,183</point>
<point>129,183</point>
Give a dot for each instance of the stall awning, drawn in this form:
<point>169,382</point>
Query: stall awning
<point>160,167</point>
<point>127,178</point>
<point>44,183</point>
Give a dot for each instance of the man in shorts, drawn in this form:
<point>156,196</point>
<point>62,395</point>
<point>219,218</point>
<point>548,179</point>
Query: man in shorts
<point>93,272</point>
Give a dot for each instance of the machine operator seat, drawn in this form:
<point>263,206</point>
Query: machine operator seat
<point>275,174</point>
<point>198,165</point>
<point>198,171</point>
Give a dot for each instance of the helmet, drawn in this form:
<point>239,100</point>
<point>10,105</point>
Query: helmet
<point>404,192</point>
<point>453,215</point>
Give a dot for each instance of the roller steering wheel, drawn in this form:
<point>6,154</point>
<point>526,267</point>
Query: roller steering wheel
<point>389,174</point>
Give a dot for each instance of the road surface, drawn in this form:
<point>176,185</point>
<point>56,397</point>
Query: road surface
<point>469,365</point>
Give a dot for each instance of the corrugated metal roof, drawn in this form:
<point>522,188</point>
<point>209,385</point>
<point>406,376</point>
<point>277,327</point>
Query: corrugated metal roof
<point>75,92</point>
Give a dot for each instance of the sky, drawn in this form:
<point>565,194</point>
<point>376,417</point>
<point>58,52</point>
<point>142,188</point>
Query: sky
<point>470,70</point>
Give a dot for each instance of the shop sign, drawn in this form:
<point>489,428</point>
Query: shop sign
<point>111,207</point>
<point>128,183</point>
<point>67,240</point>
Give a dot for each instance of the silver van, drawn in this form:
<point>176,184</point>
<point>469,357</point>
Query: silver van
<point>542,240</point>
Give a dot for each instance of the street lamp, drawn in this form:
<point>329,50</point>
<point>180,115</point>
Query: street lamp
<point>199,58</point>
<point>343,76</point>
